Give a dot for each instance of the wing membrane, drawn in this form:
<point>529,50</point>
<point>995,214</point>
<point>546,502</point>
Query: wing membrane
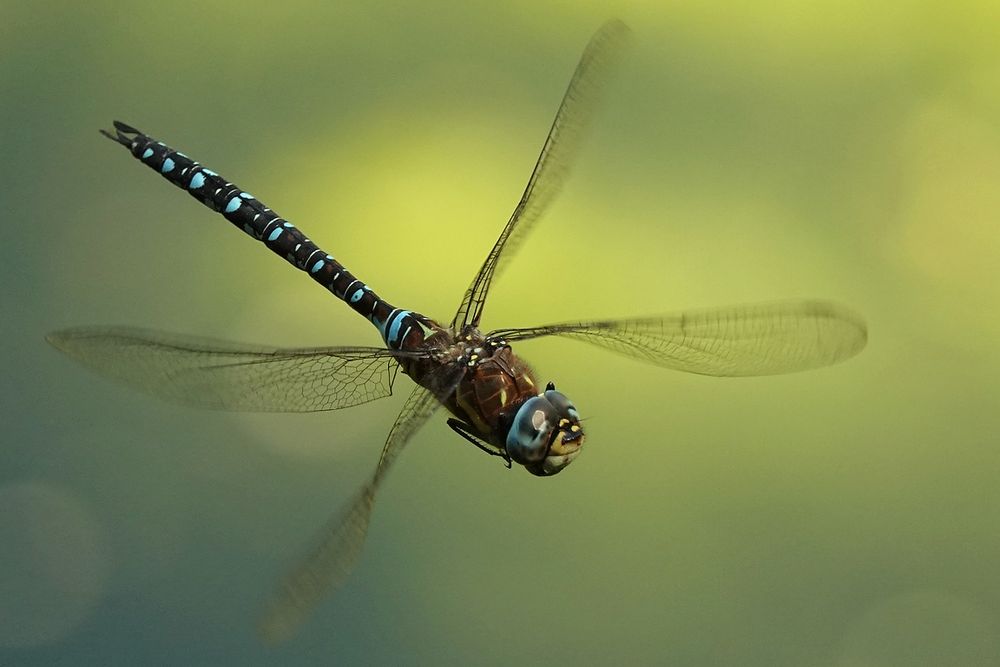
<point>232,376</point>
<point>761,339</point>
<point>325,568</point>
<point>574,114</point>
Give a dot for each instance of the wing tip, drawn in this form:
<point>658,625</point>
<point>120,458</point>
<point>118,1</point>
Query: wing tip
<point>853,344</point>
<point>59,339</point>
<point>64,339</point>
<point>275,628</point>
<point>614,28</point>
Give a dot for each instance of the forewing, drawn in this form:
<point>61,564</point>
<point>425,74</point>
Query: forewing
<point>760,339</point>
<point>592,73</point>
<point>338,547</point>
<point>232,376</point>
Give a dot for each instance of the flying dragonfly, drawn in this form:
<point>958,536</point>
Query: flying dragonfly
<point>495,399</point>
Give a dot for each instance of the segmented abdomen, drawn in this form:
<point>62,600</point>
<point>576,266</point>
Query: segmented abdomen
<point>401,329</point>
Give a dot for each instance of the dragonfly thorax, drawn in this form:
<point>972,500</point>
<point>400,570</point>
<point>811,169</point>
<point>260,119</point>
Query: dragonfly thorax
<point>501,399</point>
<point>472,348</point>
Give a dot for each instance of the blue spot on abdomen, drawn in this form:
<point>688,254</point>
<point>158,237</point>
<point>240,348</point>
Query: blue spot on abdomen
<point>197,181</point>
<point>168,166</point>
<point>233,204</point>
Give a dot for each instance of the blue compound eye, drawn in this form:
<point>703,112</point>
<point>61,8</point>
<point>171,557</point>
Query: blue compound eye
<point>562,406</point>
<point>532,432</point>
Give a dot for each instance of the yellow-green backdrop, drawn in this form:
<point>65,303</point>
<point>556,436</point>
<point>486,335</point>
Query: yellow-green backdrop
<point>749,151</point>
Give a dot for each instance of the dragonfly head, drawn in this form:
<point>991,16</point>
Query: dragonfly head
<point>545,435</point>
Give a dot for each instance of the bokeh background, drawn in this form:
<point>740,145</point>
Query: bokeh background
<point>848,517</point>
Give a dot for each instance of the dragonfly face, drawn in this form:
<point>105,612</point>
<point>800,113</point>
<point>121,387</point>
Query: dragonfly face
<point>546,434</point>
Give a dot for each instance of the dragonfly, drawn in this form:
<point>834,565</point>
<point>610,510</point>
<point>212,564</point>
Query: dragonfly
<point>495,399</point>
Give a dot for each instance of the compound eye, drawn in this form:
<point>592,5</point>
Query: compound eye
<point>531,434</point>
<point>562,405</point>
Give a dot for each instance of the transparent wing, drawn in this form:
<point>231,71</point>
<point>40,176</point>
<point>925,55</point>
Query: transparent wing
<point>326,567</point>
<point>761,339</point>
<point>577,108</point>
<point>232,376</point>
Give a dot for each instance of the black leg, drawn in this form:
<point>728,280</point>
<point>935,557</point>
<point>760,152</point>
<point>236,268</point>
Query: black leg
<point>465,431</point>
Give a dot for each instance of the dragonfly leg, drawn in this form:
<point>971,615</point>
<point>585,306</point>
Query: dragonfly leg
<point>466,432</point>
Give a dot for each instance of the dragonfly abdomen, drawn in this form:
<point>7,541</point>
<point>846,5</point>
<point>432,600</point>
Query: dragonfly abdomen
<point>247,213</point>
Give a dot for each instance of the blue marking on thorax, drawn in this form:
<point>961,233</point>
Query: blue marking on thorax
<point>168,166</point>
<point>233,204</point>
<point>317,266</point>
<point>197,181</point>
<point>146,153</point>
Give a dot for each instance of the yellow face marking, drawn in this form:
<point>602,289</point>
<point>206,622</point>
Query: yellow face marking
<point>561,448</point>
<point>575,428</point>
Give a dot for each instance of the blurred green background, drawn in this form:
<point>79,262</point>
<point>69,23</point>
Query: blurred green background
<point>846,517</point>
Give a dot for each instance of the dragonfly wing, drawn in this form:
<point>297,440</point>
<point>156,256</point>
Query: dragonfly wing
<point>324,569</point>
<point>760,339</point>
<point>560,148</point>
<point>232,376</point>
<point>337,549</point>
